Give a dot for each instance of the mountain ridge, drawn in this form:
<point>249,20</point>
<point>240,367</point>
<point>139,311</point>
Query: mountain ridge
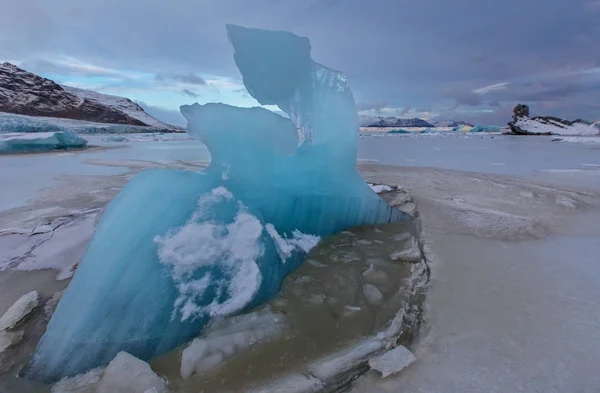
<point>25,93</point>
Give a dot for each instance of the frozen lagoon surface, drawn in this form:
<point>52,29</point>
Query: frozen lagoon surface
<point>498,154</point>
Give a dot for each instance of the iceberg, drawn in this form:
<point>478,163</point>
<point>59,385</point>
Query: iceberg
<point>176,249</point>
<point>480,128</point>
<point>39,142</point>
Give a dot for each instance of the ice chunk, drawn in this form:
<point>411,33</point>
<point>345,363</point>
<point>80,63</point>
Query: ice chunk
<point>346,359</point>
<point>175,249</point>
<point>379,188</point>
<point>411,253</point>
<point>18,311</point>
<point>128,374</point>
<point>39,142</point>
<point>392,361</point>
<point>295,383</point>
<point>228,337</point>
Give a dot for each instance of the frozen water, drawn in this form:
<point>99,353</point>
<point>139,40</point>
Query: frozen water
<point>176,248</point>
<point>226,338</point>
<point>392,361</point>
<point>39,141</point>
<point>18,311</point>
<point>9,339</point>
<point>373,294</point>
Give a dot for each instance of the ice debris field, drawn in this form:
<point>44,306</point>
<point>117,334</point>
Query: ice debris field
<point>175,249</point>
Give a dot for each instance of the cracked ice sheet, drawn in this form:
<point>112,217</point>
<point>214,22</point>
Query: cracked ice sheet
<point>60,249</point>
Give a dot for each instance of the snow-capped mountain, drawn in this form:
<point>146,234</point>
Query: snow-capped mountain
<point>25,93</point>
<point>392,122</point>
<point>451,123</point>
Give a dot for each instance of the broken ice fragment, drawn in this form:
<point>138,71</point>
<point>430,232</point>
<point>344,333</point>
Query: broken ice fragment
<point>411,253</point>
<point>392,361</point>
<point>128,374</point>
<point>346,359</point>
<point>19,310</point>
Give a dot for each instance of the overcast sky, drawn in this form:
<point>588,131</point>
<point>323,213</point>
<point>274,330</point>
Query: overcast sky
<point>434,59</point>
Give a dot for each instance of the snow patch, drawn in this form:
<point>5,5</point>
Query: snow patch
<point>199,243</point>
<point>298,242</point>
<point>379,188</point>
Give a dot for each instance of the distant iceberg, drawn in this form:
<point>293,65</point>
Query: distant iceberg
<point>480,128</point>
<point>175,249</point>
<point>39,142</point>
<point>10,123</point>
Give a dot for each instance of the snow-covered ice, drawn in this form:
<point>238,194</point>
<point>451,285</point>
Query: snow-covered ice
<point>392,361</point>
<point>18,311</point>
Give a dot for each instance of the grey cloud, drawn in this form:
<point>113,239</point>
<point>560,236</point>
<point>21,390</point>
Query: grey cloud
<point>466,97</point>
<point>168,116</point>
<point>367,106</point>
<point>189,78</point>
<point>408,53</point>
<point>189,93</point>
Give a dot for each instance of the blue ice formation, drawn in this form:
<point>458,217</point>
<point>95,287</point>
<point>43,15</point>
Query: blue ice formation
<point>480,128</point>
<point>176,248</point>
<point>10,123</point>
<point>39,142</point>
<point>398,131</point>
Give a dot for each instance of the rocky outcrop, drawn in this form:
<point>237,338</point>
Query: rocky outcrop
<point>522,124</point>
